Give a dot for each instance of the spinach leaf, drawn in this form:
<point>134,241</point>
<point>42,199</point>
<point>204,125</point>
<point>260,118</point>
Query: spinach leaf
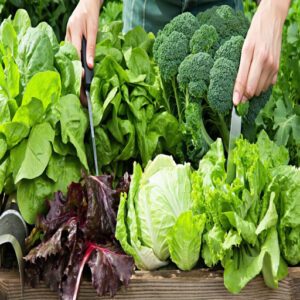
<point>74,122</point>
<point>35,54</point>
<point>37,153</point>
<point>31,195</point>
<point>63,170</point>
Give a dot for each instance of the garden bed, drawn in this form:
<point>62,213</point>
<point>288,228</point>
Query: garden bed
<point>197,284</point>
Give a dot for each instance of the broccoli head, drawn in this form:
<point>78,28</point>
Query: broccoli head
<point>222,79</point>
<point>205,39</point>
<point>186,23</point>
<point>193,73</point>
<point>231,50</point>
<point>171,53</point>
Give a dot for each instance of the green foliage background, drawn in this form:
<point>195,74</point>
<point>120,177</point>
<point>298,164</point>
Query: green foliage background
<point>55,12</point>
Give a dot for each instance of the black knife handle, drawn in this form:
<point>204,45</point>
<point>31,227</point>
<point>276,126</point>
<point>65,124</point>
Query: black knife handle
<point>88,73</point>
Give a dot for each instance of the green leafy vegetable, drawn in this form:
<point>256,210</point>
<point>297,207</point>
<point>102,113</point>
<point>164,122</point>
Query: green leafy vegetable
<point>184,240</point>
<point>42,125</point>
<point>156,221</point>
<point>131,116</point>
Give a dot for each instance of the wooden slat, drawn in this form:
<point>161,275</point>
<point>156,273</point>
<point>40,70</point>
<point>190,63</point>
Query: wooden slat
<point>165,285</point>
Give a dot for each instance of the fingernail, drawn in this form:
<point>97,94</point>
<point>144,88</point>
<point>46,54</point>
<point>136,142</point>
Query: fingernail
<point>236,98</point>
<point>90,61</point>
<point>244,99</point>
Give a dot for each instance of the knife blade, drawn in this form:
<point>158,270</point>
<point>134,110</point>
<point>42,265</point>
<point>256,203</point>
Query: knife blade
<point>88,77</point>
<point>235,132</point>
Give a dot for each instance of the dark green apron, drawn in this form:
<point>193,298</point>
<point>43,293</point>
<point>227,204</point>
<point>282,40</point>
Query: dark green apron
<point>152,15</point>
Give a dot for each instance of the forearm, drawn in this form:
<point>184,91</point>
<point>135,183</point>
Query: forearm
<point>281,5</point>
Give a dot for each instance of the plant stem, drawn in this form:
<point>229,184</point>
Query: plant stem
<point>204,133</point>
<point>177,99</point>
<point>166,102</point>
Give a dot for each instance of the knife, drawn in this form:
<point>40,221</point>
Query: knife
<point>88,77</point>
<point>235,132</point>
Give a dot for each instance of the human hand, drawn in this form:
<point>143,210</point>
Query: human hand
<point>261,51</point>
<point>84,23</point>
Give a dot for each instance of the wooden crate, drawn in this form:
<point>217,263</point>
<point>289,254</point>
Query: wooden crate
<point>197,284</point>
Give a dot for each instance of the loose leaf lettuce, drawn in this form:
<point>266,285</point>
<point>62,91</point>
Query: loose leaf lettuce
<point>184,240</point>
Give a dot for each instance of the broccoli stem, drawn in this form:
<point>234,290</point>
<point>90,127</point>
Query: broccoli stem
<point>204,133</point>
<point>224,132</point>
<point>166,102</point>
<point>187,97</point>
<point>177,99</point>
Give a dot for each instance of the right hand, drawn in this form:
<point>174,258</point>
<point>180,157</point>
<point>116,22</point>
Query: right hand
<point>84,23</point>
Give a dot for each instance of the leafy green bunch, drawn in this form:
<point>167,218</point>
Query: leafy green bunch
<point>251,223</point>
<point>131,115</point>
<point>198,58</point>
<point>42,123</point>
<point>56,13</point>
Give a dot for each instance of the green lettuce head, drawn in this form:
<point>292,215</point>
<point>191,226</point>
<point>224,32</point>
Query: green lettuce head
<point>147,225</point>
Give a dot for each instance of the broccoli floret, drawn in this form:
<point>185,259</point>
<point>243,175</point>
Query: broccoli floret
<point>243,22</point>
<point>204,16</point>
<point>225,12</point>
<point>193,73</point>
<point>185,23</point>
<point>222,78</point>
<point>231,50</point>
<point>171,53</point>
<point>157,43</point>
<point>198,89</point>
<point>205,39</point>
<point>227,22</point>
<point>256,104</point>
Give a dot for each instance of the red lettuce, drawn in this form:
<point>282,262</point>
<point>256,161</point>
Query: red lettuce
<point>78,231</point>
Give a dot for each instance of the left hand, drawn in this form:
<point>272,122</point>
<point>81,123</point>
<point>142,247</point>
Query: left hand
<point>261,51</point>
